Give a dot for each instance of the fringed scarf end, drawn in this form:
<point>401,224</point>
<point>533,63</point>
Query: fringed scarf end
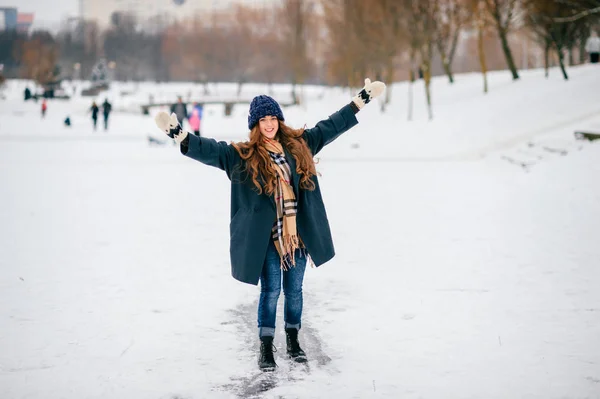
<point>288,255</point>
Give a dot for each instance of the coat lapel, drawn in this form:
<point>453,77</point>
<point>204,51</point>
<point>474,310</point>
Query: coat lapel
<point>271,199</point>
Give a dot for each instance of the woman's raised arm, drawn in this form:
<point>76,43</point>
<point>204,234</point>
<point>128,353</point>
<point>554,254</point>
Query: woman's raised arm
<point>208,151</point>
<point>331,128</point>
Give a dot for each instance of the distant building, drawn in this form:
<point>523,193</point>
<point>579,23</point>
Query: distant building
<point>12,19</point>
<point>8,18</point>
<point>24,21</point>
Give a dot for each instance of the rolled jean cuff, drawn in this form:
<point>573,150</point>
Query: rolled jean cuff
<point>266,331</point>
<point>296,326</point>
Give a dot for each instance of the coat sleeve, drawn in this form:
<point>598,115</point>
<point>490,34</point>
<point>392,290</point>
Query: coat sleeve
<point>211,152</point>
<point>329,129</point>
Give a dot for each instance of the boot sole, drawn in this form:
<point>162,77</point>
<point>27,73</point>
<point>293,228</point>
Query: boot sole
<point>299,359</point>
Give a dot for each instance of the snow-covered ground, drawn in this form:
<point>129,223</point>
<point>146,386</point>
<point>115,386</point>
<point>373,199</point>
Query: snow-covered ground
<point>467,266</point>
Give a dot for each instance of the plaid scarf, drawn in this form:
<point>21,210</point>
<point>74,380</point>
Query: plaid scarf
<point>284,233</point>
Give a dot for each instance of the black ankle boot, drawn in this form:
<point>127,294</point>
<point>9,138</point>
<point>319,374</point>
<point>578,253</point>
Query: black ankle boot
<point>293,346</point>
<point>266,360</point>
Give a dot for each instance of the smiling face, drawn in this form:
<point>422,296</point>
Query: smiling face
<point>269,125</point>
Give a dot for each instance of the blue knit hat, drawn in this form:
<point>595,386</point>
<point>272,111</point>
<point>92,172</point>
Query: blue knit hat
<point>262,106</point>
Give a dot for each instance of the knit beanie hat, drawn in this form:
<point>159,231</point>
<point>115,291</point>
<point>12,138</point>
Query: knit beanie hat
<point>262,106</point>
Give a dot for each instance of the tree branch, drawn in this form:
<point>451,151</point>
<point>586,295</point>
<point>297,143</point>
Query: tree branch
<point>578,16</point>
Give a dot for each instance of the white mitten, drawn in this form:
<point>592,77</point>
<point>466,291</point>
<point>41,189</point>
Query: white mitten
<point>369,92</point>
<point>170,125</point>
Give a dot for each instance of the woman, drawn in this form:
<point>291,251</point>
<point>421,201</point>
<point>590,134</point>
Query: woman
<point>592,46</point>
<point>277,214</point>
<point>194,118</point>
<point>44,108</point>
<point>94,110</point>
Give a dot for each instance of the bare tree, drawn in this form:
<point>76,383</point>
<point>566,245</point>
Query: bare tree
<point>366,39</point>
<point>270,43</point>
<point>171,51</point>
<point>580,9</point>
<point>11,44</point>
<point>541,19</point>
<point>583,33</point>
<point>390,40</point>
<point>450,19</point>
<point>294,17</point>
<point>584,14</point>
<point>540,28</point>
<point>414,44</point>
<point>127,46</point>
<point>502,13</point>
<point>480,19</point>
<point>39,55</point>
<point>92,36</point>
<point>421,25</point>
<point>79,43</point>
<point>343,59</point>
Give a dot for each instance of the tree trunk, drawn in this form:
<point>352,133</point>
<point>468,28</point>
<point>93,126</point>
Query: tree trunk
<point>547,60</point>
<point>411,83</point>
<point>410,94</point>
<point>571,58</point>
<point>294,94</point>
<point>204,80</point>
<point>507,53</point>
<point>481,51</point>
<point>582,50</point>
<point>240,84</point>
<point>448,69</point>
<point>525,64</point>
<point>426,56</point>
<point>561,61</point>
<point>427,80</point>
<point>389,79</point>
<point>428,93</point>
<point>445,62</point>
<point>453,47</point>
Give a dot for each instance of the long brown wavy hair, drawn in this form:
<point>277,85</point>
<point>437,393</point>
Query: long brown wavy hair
<point>258,161</point>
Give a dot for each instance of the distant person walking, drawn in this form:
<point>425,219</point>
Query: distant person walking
<point>44,108</point>
<point>180,109</point>
<point>95,111</point>
<point>592,46</point>
<point>106,108</point>
<point>194,118</point>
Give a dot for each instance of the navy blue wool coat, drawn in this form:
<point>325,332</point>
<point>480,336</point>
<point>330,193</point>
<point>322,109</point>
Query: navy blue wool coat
<point>253,214</point>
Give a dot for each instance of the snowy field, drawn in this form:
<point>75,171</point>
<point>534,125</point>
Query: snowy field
<point>467,266</point>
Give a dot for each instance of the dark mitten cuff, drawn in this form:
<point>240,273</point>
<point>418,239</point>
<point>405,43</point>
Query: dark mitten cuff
<point>354,107</point>
<point>185,145</point>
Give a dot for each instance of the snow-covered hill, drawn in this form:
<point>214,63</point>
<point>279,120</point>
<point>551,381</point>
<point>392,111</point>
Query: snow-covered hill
<point>466,267</point>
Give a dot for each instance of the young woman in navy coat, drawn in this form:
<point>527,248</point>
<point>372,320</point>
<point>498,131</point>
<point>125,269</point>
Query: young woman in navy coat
<point>278,219</point>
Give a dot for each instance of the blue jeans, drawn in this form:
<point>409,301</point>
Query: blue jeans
<point>270,287</point>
